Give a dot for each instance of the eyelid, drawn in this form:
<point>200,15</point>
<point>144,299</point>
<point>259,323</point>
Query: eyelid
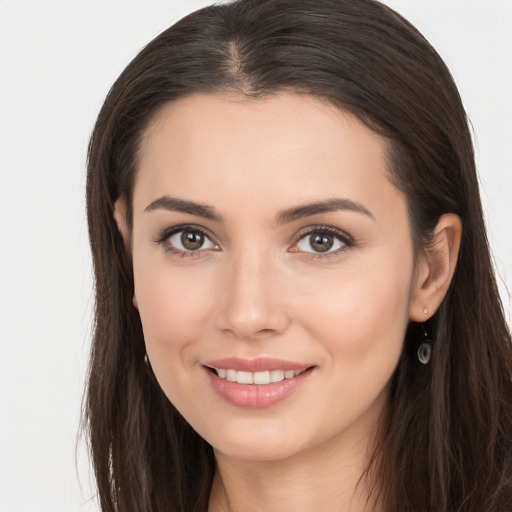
<point>165,234</point>
<point>347,240</point>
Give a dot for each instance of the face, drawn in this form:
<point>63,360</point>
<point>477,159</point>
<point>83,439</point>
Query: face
<point>270,246</point>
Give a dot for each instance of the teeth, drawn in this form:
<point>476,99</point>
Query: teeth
<point>261,378</point>
<point>276,375</point>
<point>265,377</point>
<point>244,377</point>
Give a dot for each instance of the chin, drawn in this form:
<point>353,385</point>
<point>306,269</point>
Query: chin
<point>250,444</point>
<point>261,452</point>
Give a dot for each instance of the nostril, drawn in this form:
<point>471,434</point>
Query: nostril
<point>264,333</point>
<point>245,332</point>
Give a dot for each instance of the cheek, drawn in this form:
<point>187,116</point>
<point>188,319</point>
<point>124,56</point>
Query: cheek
<point>358,322</point>
<point>174,312</point>
<point>363,311</point>
<point>173,307</point>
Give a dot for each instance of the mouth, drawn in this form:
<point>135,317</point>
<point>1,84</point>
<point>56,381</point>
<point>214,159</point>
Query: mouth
<point>262,378</point>
<point>258,383</point>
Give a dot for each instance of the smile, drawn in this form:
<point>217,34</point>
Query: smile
<point>264,377</point>
<point>257,383</point>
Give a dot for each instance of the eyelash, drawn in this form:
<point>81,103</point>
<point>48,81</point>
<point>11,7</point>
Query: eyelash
<point>166,234</point>
<point>347,241</point>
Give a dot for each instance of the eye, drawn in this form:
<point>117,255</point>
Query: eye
<point>186,240</point>
<point>323,241</point>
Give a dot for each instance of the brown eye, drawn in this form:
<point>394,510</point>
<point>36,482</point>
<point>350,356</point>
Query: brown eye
<point>192,240</point>
<point>188,240</point>
<point>321,242</point>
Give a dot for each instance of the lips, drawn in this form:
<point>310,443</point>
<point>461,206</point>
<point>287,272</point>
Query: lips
<point>256,365</point>
<point>256,383</point>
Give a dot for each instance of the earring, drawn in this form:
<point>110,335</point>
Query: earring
<point>146,360</point>
<point>425,349</point>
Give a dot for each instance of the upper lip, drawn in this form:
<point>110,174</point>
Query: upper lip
<point>256,365</point>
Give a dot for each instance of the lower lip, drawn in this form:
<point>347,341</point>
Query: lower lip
<point>256,396</point>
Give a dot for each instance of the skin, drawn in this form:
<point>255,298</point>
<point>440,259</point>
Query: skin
<point>257,288</point>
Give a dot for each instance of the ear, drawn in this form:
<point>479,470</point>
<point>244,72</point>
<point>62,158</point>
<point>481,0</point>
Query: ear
<point>120,210</point>
<point>436,268</point>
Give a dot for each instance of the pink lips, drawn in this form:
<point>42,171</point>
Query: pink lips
<point>256,396</point>
<point>255,365</point>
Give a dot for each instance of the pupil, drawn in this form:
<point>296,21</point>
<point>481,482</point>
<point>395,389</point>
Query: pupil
<point>192,241</point>
<point>322,243</point>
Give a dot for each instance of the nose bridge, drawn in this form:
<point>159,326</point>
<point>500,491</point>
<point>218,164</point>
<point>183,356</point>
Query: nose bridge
<point>252,306</point>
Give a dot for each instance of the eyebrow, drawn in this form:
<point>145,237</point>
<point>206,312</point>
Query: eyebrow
<point>175,204</point>
<point>209,212</point>
<point>329,205</point>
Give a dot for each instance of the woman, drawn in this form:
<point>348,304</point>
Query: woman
<point>295,302</point>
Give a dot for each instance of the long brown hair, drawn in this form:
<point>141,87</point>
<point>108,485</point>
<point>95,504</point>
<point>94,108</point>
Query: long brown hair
<point>446,444</point>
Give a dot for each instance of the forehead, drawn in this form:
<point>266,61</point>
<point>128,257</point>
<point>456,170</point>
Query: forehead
<point>286,118</point>
<point>286,148</point>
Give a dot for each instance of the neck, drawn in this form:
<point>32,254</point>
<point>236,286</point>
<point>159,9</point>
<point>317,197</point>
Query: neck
<point>331,478</point>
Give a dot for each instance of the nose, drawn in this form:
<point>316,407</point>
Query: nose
<point>252,303</point>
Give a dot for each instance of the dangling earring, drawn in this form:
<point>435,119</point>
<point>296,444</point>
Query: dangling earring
<point>425,349</point>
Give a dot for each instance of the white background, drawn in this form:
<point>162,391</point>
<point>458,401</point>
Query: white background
<point>58,58</point>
